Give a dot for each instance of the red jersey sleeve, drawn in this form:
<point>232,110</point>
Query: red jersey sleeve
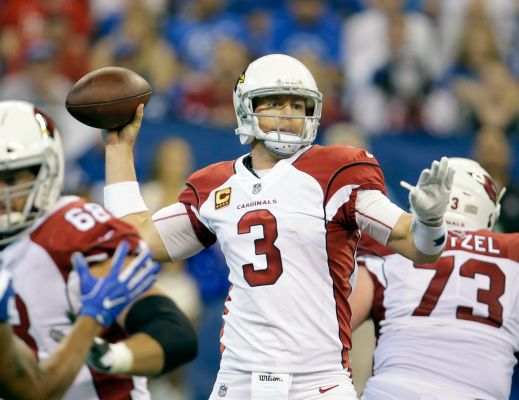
<point>356,169</point>
<point>189,198</point>
<point>343,168</point>
<point>84,227</point>
<point>198,188</point>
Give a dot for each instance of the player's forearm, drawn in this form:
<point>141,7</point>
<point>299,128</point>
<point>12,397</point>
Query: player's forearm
<point>119,163</point>
<point>143,221</point>
<point>148,355</point>
<point>13,369</point>
<point>161,339</point>
<point>403,241</point>
<point>123,200</point>
<point>159,327</point>
<point>22,378</point>
<point>59,370</point>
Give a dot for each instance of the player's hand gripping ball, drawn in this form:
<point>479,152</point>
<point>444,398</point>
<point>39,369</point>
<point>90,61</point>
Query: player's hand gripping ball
<point>106,98</point>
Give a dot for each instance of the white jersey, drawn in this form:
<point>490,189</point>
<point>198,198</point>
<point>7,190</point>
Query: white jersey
<point>40,266</point>
<point>289,239</point>
<point>449,328</point>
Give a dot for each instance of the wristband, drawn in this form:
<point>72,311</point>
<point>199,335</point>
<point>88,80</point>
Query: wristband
<point>124,198</point>
<point>119,358</point>
<point>428,239</point>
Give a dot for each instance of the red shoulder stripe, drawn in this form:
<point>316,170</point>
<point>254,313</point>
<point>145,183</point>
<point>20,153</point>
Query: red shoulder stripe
<point>204,181</point>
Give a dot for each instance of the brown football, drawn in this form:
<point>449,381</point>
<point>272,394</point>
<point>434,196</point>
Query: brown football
<point>106,98</point>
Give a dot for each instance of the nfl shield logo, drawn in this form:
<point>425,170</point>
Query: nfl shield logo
<point>256,188</point>
<point>222,391</point>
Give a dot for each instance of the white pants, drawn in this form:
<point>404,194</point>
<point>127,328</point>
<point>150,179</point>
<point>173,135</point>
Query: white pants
<point>333,385</point>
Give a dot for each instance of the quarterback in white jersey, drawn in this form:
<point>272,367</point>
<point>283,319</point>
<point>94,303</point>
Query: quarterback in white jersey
<point>448,330</point>
<point>42,231</point>
<point>287,216</point>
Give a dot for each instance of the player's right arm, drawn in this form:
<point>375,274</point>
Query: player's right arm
<point>122,198</point>
<point>21,376</point>
<point>120,168</point>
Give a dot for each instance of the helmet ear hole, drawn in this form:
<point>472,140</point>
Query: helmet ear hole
<point>241,112</point>
<point>254,103</point>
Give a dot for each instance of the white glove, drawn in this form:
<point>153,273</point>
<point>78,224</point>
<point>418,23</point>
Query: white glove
<point>115,358</point>
<point>98,358</point>
<point>430,197</point>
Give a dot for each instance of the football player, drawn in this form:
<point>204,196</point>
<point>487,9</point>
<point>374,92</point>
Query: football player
<point>103,299</point>
<point>287,216</point>
<point>446,330</point>
<point>43,230</point>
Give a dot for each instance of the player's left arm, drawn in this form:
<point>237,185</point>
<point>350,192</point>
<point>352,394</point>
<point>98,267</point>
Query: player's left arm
<point>414,240</point>
<point>419,236</point>
<point>161,336</point>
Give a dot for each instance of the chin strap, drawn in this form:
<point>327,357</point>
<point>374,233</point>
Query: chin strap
<point>286,145</point>
<point>289,145</point>
<point>282,149</point>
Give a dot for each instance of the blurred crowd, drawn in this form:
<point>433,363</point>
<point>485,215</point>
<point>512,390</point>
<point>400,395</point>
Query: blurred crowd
<point>434,67</point>
<point>439,68</point>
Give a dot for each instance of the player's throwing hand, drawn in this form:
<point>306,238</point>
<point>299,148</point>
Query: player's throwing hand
<point>128,134</point>
<point>103,299</point>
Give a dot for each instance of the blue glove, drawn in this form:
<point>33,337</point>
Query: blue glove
<point>103,299</point>
<point>6,293</point>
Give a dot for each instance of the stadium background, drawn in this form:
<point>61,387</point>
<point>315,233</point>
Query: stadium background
<point>410,80</point>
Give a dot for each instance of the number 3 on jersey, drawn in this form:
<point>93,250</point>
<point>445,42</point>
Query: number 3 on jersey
<point>265,245</point>
<point>84,218</point>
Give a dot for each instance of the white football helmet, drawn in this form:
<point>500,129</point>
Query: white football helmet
<point>474,201</point>
<point>273,75</point>
<point>28,140</point>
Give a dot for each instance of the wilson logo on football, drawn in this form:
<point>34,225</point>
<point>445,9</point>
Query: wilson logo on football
<point>222,198</point>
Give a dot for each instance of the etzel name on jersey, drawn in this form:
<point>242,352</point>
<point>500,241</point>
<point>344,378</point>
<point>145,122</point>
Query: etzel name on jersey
<point>481,244</point>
